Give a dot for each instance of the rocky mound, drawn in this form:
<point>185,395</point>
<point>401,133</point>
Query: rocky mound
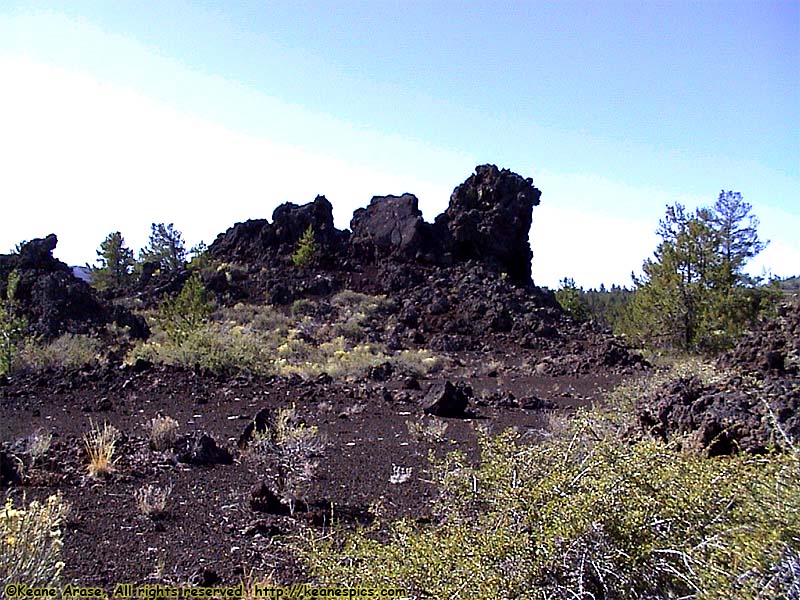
<point>258,242</point>
<point>724,418</point>
<point>750,412</point>
<point>461,283</point>
<point>52,299</point>
<point>772,348</point>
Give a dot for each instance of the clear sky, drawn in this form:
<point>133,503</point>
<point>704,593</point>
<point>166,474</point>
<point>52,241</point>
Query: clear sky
<point>114,115</point>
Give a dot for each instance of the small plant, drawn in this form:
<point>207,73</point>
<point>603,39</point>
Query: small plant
<point>307,249</point>
<point>30,542</point>
<point>400,474</point>
<point>153,501</point>
<point>289,447</point>
<point>432,430</point>
<point>38,444</point>
<point>185,313</point>
<point>100,446</point>
<point>163,432</point>
<point>12,326</point>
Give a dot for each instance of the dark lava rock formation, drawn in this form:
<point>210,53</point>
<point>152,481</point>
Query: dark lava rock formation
<point>488,220</point>
<point>55,301</point>
<point>258,242</point>
<point>756,408</point>
<point>773,348</point>
<point>392,226</point>
<point>724,418</point>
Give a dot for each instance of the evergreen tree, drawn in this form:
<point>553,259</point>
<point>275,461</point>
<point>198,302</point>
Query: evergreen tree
<point>307,248</point>
<point>571,298</point>
<point>737,229</point>
<point>12,325</point>
<point>694,293</point>
<point>116,263</point>
<point>185,313</point>
<point>166,247</point>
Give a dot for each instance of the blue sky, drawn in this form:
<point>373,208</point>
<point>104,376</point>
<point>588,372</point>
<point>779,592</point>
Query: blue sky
<point>117,114</point>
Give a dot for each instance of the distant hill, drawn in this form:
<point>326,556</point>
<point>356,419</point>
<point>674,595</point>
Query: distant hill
<point>83,273</point>
<point>790,284</point>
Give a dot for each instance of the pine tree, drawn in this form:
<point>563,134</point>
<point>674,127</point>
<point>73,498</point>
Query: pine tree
<point>116,263</point>
<point>694,293</point>
<point>166,247</point>
<point>737,229</point>
<point>185,313</point>
<point>571,298</point>
<point>307,249</point>
<point>12,325</point>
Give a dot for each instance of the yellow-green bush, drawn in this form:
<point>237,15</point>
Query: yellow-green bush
<point>218,347</point>
<point>68,351</point>
<point>583,516</point>
<point>30,542</point>
<point>263,340</point>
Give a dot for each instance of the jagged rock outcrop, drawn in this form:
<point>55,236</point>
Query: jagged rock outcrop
<point>724,417</point>
<point>257,242</point>
<point>755,408</point>
<point>460,283</point>
<point>488,220</point>
<point>392,226</point>
<point>55,301</point>
<point>773,347</point>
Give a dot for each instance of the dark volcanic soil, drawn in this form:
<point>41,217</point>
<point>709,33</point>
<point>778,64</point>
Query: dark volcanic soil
<point>211,530</point>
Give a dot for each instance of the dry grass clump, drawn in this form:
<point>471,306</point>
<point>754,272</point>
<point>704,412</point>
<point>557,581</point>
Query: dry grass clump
<point>38,445</point>
<point>153,501</point>
<point>100,444</point>
<point>163,432</point>
<point>289,449</point>
<point>30,542</point>
<point>68,351</point>
<point>430,429</point>
<point>260,317</point>
<point>419,362</point>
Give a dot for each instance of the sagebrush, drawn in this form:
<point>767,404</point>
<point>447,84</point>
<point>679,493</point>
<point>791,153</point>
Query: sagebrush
<point>582,516</point>
<point>31,542</point>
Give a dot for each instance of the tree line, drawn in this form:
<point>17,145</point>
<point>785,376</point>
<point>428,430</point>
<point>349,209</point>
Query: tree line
<point>693,294</point>
<point>116,264</point>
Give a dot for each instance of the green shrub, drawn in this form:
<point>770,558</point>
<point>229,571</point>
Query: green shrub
<point>216,347</point>
<point>68,351</point>
<point>30,542</point>
<point>571,298</point>
<point>185,313</point>
<point>12,326</point>
<point>582,516</point>
<point>307,249</point>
